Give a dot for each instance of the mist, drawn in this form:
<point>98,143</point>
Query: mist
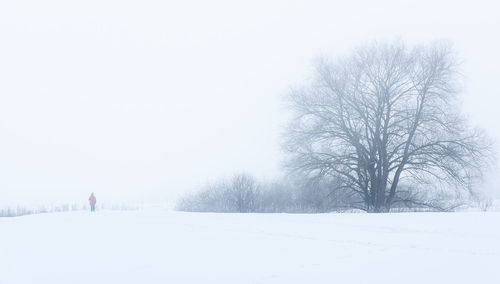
<point>143,101</point>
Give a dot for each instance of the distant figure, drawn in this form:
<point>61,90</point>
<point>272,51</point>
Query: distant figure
<point>92,201</point>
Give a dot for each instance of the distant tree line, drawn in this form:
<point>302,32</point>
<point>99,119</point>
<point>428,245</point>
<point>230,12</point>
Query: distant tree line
<point>244,194</point>
<point>21,211</point>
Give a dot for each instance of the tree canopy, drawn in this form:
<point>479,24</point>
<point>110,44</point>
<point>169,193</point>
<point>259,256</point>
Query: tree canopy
<point>385,121</point>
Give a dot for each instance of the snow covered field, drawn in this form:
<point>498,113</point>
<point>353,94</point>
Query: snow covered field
<point>173,247</point>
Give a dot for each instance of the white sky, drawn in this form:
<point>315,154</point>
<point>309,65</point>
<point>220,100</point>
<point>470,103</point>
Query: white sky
<point>142,100</point>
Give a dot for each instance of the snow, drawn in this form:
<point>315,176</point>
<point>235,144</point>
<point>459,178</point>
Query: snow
<point>154,246</point>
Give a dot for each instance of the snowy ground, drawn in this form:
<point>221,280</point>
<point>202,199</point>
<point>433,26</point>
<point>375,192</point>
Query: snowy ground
<point>173,247</point>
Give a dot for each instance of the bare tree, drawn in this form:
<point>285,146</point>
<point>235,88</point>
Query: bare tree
<point>243,193</point>
<point>384,116</point>
<point>238,195</point>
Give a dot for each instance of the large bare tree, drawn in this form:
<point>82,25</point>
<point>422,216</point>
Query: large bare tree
<point>383,117</point>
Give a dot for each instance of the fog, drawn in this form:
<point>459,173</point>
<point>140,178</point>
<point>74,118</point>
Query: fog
<point>140,101</point>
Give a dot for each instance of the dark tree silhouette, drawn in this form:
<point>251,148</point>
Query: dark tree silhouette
<point>385,116</point>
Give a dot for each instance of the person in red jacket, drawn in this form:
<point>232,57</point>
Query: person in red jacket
<point>92,201</point>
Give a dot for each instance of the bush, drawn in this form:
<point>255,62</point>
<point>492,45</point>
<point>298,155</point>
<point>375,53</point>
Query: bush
<point>238,195</point>
<point>243,194</point>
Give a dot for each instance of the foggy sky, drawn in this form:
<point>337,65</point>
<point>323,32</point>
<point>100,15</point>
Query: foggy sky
<point>139,101</point>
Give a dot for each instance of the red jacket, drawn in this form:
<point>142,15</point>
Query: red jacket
<point>92,200</point>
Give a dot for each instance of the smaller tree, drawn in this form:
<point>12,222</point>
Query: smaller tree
<point>238,195</point>
<point>243,193</point>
